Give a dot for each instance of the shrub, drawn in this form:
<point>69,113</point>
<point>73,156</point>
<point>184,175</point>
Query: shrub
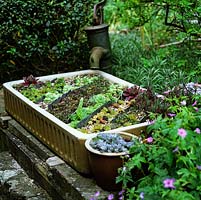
<point>42,37</point>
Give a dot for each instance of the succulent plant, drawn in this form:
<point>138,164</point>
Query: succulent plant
<point>132,92</point>
<point>30,80</point>
<point>111,143</point>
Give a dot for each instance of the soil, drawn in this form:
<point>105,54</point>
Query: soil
<point>69,102</point>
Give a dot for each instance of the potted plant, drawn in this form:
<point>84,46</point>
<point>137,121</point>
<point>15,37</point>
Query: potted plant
<point>173,155</point>
<point>106,152</point>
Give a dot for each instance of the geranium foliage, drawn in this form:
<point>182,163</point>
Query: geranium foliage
<point>166,164</point>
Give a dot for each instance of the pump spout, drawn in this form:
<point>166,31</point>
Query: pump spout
<point>97,53</point>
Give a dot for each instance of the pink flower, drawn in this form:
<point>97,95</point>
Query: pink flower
<point>150,139</point>
<point>169,183</point>
<point>197,130</point>
<point>194,103</point>
<point>182,132</point>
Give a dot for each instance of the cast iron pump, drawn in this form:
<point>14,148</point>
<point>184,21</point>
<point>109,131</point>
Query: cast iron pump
<point>98,39</point>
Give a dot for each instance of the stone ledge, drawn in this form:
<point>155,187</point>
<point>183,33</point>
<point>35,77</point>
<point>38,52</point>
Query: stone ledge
<point>3,141</point>
<point>58,179</point>
<point>15,183</point>
<point>4,121</point>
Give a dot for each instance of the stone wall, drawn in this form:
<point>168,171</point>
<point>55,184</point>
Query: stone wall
<point>3,142</point>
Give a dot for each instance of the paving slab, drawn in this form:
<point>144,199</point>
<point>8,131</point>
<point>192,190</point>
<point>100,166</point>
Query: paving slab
<point>15,183</point>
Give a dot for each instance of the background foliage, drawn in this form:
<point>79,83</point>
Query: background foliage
<point>46,37</point>
<point>182,15</point>
<point>151,48</point>
<point>42,37</point>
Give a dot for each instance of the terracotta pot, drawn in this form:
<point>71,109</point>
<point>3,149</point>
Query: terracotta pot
<point>104,166</point>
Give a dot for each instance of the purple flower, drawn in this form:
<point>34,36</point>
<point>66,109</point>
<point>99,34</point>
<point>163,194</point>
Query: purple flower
<point>142,195</point>
<point>110,196</point>
<point>97,194</point>
<point>176,150</point>
<point>151,122</point>
<point>169,183</point>
<point>197,130</point>
<point>182,132</point>
<point>195,103</point>
<point>199,167</point>
<point>127,156</point>
<point>121,192</point>
<point>171,114</point>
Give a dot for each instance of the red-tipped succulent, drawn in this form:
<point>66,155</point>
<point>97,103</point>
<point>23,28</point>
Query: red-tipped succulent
<point>132,92</point>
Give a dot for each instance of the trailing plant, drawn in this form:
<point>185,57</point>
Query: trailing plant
<point>169,158</point>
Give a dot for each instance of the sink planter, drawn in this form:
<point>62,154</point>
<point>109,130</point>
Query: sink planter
<point>63,139</point>
<point>106,152</point>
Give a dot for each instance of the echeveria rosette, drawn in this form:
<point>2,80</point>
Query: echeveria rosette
<point>110,143</point>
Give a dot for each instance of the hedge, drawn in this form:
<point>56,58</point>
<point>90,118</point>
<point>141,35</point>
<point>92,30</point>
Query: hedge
<point>43,37</point>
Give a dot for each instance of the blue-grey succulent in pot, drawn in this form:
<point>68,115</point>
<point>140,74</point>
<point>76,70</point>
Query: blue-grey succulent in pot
<point>106,152</point>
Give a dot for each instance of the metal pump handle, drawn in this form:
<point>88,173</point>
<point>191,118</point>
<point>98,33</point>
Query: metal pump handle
<point>98,13</point>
